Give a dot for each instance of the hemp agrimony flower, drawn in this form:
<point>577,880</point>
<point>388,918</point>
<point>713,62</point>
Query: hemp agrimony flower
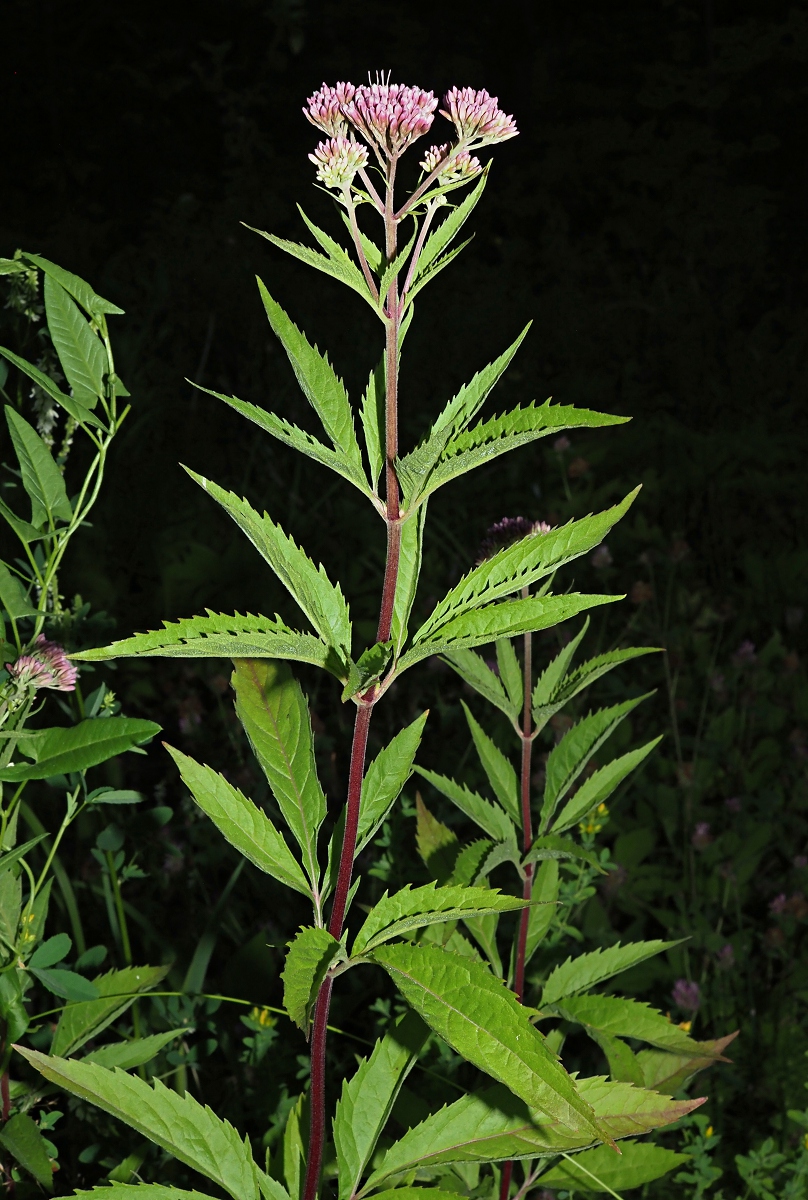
<point>338,160</point>
<point>454,168</point>
<point>478,117</point>
<point>47,667</point>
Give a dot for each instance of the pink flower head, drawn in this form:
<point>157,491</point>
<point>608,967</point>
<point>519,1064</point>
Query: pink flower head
<point>686,995</point>
<point>477,116</point>
<point>457,167</point>
<point>338,160</point>
<point>49,667</point>
<point>325,108</point>
<point>390,115</point>
<point>778,904</point>
<point>702,838</point>
<point>507,531</point>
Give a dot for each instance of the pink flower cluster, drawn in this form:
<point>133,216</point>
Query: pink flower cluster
<point>48,667</point>
<point>477,116</point>
<point>455,168</point>
<point>337,161</point>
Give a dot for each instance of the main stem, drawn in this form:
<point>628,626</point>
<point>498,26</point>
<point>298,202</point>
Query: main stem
<point>364,712</point>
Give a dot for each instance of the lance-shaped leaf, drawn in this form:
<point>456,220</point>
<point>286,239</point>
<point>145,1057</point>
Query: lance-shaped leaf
<point>118,989</point>
<point>436,843</point>
<point>321,601</point>
<point>81,352</point>
<point>242,823</point>
<point>489,439</point>
<point>79,747</point>
<point>393,268</point>
<point>81,291</point>
<point>373,253</point>
<point>373,424</point>
<point>447,231</point>
<point>339,268</point>
<point>318,380</point>
<point>473,670</point>
<point>510,673</point>
<point>552,846</point>
<point>275,716</point>
<point>134,1053</point>
<point>490,817</point>
<point>416,467</point>
<point>413,908</point>
<point>484,1022</point>
<point>21,1137</point>
<point>484,931</point>
<point>295,1146</point>
<point>385,777</point>
<point>623,1065</point>
<point>432,270</point>
<point>581,973</point>
<point>310,955</point>
<point>500,772</point>
<point>620,1017</point>
<point>12,595</point>
<point>597,1171</point>
<point>545,901</point>
<point>178,1124</point>
<point>521,564</point>
<point>368,1098</point>
<point>409,569</point>
<point>291,435</point>
<point>41,478</point>
<point>668,1073</point>
<point>338,255</point>
<point>599,786</point>
<point>511,617</point>
<point>555,688</point>
<point>469,862</point>
<point>550,679</point>
<point>69,403</point>
<point>159,1191</point>
<point>367,669</point>
<point>568,759</point>
<point>219,635</point>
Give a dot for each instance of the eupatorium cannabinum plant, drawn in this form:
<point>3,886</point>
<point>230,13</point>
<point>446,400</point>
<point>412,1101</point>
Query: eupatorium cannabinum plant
<point>531,1109</point>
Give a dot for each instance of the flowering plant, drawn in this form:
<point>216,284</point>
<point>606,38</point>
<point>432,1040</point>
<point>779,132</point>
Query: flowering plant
<point>533,1109</point>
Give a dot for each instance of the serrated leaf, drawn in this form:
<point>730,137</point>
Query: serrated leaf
<point>518,566</point>
<point>81,291</point>
<point>581,973</point>
<point>367,669</point>
<point>569,757</point>
<point>543,910</point>
<point>321,601</point>
<point>623,1065</point>
<point>373,253</point>
<point>79,1022</point>
<point>373,423</point>
<point>298,439</point>
<point>469,862</point>
<point>392,268</point>
<point>510,673</point>
<point>385,777</point>
<point>178,1124</point>
<point>599,786</point>
<point>552,846</point>
<point>434,269</point>
<point>310,955</point>
<point>480,626</point>
<point>149,1191</point>
<point>499,771</point>
<point>62,751</point>
<point>80,351</point>
<point>409,570</point>
<point>41,477</point>
<point>134,1053</point>
<point>490,817</point>
<point>275,716</point>
<point>219,635</point>
<point>338,254</point>
<point>318,380</point>
<point>12,595</point>
<point>668,1073</point>
<point>447,231</point>
<point>21,1137</point>
<point>242,823</point>
<point>599,1170</point>
<point>368,1098</point>
<point>484,931</point>
<point>413,908</point>
<point>550,679</point>
<point>70,404</point>
<point>342,271</point>
<point>620,1017</point>
<point>555,689</point>
<point>484,1022</point>
<point>473,670</point>
<point>437,845</point>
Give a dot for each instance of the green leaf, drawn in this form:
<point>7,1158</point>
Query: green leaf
<point>434,269</point>
<point>218,635</point>
<point>19,852</point>
<point>484,1022</point>
<point>384,779</point>
<point>545,897</point>
<point>511,673</point>
<point>81,291</point>
<point>555,689</point>
<point>473,670</point>
<point>623,1065</point>
<point>480,626</point>
<point>619,1017</point>
<point>521,564</point>
<point>10,906</point>
<point>135,1053</point>
<point>79,1022</point>
<point>338,255</point>
<point>484,931</point>
<point>415,468</point>
<point>342,270</point>
<point>669,1073</point>
<point>393,267</point>
<point>489,439</point>
<point>52,951</point>
<point>409,570</point>
<point>146,1191</point>
<point>368,1098</point>
<point>490,817</point>
<point>11,266</point>
<point>501,774</point>
<point>40,475</point>
<point>569,757</point>
<point>310,955</point>
<point>368,669</point>
<point>298,439</point>
<point>70,404</point>
<point>12,595</point>
<point>469,862</point>
<point>177,1124</point>
<point>373,423</point>
<point>24,531</point>
<point>581,973</point>
<point>241,822</point>
<point>318,381</point>
<point>66,984</point>
<point>552,846</point>
<point>21,1137</point>
<point>275,716</point>
<point>412,908</point>
<point>295,1146</point>
<point>321,601</point>
<point>373,253</point>
<point>437,844</point>
<point>599,786</point>
<point>79,747</point>
<point>447,231</point>
<point>600,1170</point>
<point>81,352</point>
<point>547,687</point>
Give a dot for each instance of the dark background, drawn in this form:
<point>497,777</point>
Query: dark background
<point>649,220</point>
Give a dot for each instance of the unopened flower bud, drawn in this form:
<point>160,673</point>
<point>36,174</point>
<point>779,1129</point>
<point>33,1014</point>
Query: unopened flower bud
<point>324,108</point>
<point>47,667</point>
<point>456,168</point>
<point>338,160</point>
<point>390,115</point>
<point>476,115</point>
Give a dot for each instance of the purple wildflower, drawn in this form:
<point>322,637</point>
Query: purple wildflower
<point>337,161</point>
<point>745,655</point>
<point>325,108</point>
<point>602,557</point>
<point>778,904</point>
<point>48,667</point>
<point>390,115</point>
<point>562,444</point>
<point>726,958</point>
<point>457,167</point>
<point>686,995</point>
<point>733,804</point>
<point>506,532</point>
<point>477,116</point>
<point>702,837</point>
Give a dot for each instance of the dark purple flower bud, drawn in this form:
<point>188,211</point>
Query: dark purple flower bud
<point>686,995</point>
